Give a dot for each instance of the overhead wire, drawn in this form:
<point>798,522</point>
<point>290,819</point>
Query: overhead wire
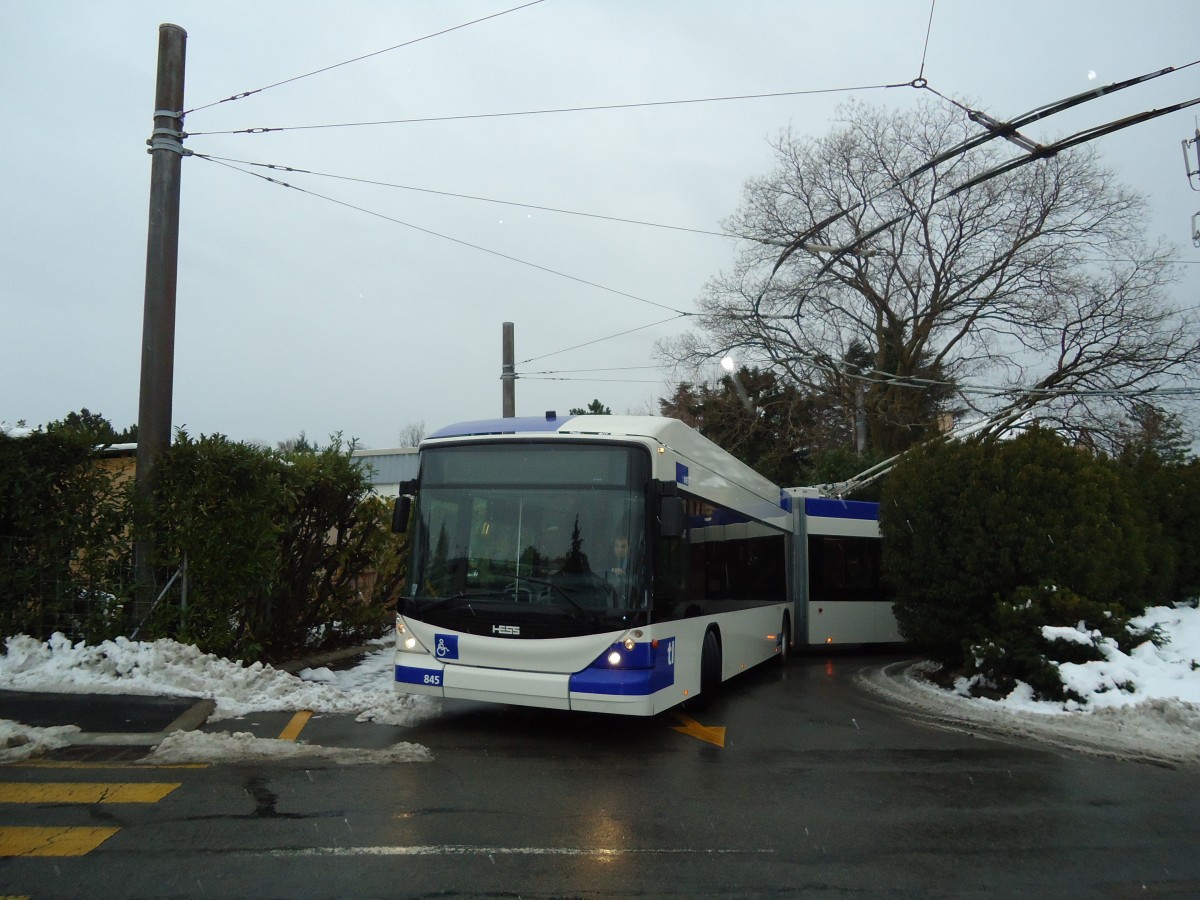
<point>447,237</point>
<point>596,380</point>
<point>244,94</point>
<point>876,377</point>
<point>603,339</point>
<point>584,371</point>
<point>552,111</point>
<point>405,187</point>
<point>928,32</point>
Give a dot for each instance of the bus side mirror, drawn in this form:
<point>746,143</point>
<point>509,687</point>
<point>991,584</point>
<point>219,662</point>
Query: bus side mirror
<point>670,517</point>
<point>400,514</point>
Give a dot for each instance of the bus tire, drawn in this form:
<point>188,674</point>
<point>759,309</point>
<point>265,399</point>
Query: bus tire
<point>710,667</point>
<point>785,640</point>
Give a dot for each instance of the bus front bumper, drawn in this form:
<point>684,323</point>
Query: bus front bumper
<point>630,692</point>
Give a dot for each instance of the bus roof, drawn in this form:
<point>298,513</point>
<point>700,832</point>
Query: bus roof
<point>685,456</point>
<point>657,428</point>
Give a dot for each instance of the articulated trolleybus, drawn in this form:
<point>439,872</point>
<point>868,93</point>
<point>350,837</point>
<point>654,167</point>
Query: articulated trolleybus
<point>619,564</point>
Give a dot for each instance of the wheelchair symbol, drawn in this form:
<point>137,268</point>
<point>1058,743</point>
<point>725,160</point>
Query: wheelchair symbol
<point>445,646</point>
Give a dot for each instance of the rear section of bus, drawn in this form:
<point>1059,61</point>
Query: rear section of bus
<point>841,597</point>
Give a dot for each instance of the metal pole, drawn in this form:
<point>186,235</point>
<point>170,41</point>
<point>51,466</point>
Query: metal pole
<point>860,419</point>
<point>508,372</point>
<point>183,593</point>
<point>162,262</point>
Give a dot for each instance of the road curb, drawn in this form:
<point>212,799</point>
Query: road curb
<point>191,719</point>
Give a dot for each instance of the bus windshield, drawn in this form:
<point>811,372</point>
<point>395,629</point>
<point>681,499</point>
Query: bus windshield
<point>531,532</point>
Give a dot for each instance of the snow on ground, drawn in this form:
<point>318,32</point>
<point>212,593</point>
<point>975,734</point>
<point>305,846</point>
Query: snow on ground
<point>167,668</point>
<point>220,746</point>
<point>1145,704</point>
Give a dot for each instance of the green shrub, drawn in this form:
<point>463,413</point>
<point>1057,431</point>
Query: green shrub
<point>286,552</point>
<point>967,524</point>
<point>220,505</point>
<point>278,547</point>
<point>335,531</point>
<point>63,538</point>
<point>1169,494</point>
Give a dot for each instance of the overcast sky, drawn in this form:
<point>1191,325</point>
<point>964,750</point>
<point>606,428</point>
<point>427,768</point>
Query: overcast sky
<point>297,314</point>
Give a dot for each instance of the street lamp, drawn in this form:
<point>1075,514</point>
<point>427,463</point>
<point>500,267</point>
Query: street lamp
<point>730,367</point>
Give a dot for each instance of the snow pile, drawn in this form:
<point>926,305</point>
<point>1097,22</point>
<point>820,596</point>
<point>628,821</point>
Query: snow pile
<point>19,741</point>
<point>1169,672</point>
<point>1142,704</point>
<point>164,667</point>
<point>201,746</point>
<point>167,668</point>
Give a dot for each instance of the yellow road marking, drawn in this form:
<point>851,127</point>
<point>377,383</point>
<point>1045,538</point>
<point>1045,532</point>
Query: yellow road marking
<point>713,734</point>
<point>294,727</point>
<point>68,764</point>
<point>83,792</point>
<point>52,841</point>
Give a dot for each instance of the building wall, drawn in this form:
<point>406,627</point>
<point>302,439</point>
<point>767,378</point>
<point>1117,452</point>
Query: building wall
<point>388,468</point>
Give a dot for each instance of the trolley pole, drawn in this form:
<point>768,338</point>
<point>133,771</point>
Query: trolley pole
<point>158,317</point>
<point>508,372</point>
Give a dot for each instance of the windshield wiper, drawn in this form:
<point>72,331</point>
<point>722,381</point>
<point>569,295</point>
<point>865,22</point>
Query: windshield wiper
<point>588,614</point>
<point>428,604</point>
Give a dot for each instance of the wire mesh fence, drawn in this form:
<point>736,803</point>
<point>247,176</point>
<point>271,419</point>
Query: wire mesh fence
<point>40,596</point>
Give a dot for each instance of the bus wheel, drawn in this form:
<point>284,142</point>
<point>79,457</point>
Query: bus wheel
<point>785,640</point>
<point>710,667</point>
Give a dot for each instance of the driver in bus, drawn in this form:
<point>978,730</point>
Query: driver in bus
<point>618,573</point>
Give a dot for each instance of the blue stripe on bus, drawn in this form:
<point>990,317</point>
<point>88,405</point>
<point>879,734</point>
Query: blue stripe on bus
<point>718,515</point>
<point>621,682</point>
<point>416,675</point>
<point>602,678</point>
<point>828,508</point>
<point>518,425</point>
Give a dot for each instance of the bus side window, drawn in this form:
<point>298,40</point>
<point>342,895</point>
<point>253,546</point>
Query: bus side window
<point>845,569</point>
<point>671,566</point>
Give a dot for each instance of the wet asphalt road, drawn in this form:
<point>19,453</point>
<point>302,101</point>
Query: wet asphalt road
<point>820,790</point>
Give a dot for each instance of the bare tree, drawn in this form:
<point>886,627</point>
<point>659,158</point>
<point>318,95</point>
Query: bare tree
<point>1032,293</point>
<point>412,434</point>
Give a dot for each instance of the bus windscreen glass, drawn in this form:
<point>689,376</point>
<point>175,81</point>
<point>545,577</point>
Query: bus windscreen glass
<point>548,534</point>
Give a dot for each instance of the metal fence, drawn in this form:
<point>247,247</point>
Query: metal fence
<point>40,596</point>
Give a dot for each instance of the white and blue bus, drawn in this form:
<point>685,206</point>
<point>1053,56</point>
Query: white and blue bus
<point>619,564</point>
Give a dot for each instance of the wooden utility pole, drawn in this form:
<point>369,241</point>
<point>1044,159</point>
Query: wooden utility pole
<point>508,372</point>
<point>158,318</point>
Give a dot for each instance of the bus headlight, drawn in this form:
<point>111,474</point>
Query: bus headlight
<point>614,658</point>
<point>404,638</point>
